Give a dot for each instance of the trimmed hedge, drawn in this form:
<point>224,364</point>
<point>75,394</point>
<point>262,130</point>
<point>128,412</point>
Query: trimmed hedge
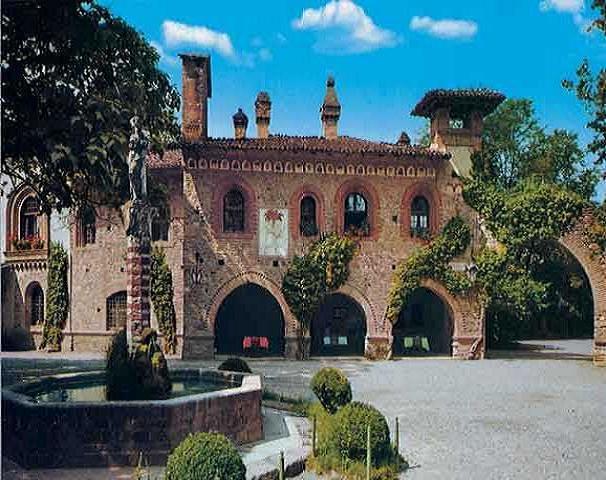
<point>348,436</point>
<point>205,456</point>
<point>235,364</point>
<point>332,388</point>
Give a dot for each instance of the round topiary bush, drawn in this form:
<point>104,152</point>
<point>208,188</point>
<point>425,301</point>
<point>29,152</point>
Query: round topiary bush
<point>204,456</point>
<point>348,437</point>
<point>235,364</point>
<point>332,388</point>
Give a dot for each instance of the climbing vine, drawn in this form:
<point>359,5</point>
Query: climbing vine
<point>524,215</point>
<point>57,299</point>
<point>312,276</point>
<point>523,220</point>
<point>431,261</point>
<point>162,299</point>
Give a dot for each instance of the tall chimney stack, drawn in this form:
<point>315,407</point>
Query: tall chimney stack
<point>196,92</point>
<point>240,124</point>
<point>262,112</point>
<point>330,111</point>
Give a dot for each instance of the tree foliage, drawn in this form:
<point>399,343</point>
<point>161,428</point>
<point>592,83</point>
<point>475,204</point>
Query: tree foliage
<point>590,88</point>
<point>57,298</point>
<point>514,278</point>
<point>515,148</point>
<point>73,75</point>
<point>431,261</point>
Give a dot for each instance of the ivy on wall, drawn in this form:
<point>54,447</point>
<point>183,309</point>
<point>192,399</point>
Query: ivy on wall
<point>162,299</point>
<point>532,212</point>
<point>523,220</point>
<point>57,299</point>
<point>312,276</point>
<point>431,261</point>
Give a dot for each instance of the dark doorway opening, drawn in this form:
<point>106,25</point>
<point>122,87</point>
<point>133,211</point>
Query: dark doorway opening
<point>424,326</point>
<point>339,327</point>
<point>247,316</point>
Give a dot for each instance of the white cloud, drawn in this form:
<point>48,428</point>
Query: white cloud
<point>349,28</point>
<point>164,57</point>
<point>567,6</point>
<point>573,7</point>
<point>179,34</point>
<point>447,28</point>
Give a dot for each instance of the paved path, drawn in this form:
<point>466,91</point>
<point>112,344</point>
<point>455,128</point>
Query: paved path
<point>522,416</point>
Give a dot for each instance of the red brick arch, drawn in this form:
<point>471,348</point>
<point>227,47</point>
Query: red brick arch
<point>429,191</point>
<point>251,215</point>
<point>258,278</point>
<point>13,210</point>
<point>369,192</point>
<point>295,208</point>
<point>593,262</point>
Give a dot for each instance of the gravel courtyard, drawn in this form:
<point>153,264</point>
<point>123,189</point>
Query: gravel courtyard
<point>535,415</point>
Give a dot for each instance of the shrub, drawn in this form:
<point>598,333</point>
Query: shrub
<point>332,388</point>
<point>235,364</point>
<point>348,436</point>
<point>120,378</point>
<point>204,456</point>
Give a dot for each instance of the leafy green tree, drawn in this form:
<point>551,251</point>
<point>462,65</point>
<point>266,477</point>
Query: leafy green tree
<point>73,75</point>
<point>590,88</point>
<point>516,147</point>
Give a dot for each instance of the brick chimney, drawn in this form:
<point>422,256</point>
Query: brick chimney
<point>196,92</point>
<point>330,111</point>
<point>263,113</point>
<point>240,124</point>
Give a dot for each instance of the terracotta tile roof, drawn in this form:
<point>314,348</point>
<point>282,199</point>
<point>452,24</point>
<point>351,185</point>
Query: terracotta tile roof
<point>483,98</point>
<point>344,144</point>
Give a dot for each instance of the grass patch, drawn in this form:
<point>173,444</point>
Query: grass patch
<point>296,405</point>
<point>328,460</point>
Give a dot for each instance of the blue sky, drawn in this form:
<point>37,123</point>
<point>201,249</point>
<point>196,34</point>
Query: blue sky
<point>383,54</point>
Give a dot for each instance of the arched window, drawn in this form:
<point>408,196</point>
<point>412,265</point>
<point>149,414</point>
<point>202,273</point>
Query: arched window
<point>308,225</point>
<point>233,211</point>
<point>160,224</point>
<point>115,311</point>
<point>419,217</point>
<point>356,215</point>
<point>28,218</point>
<point>88,227</point>
<point>36,305</point>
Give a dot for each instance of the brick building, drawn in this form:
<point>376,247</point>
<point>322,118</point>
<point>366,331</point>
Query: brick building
<point>241,207</point>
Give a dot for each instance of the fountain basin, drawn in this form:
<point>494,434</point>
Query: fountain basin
<point>63,421</point>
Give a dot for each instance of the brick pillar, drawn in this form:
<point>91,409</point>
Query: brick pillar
<point>138,268</point>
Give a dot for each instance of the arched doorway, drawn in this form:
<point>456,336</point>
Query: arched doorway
<point>339,327</point>
<point>247,316</point>
<point>424,327</point>
<point>569,300</point>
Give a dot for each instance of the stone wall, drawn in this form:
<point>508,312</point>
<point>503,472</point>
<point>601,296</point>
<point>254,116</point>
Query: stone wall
<point>95,434</point>
<point>99,270</point>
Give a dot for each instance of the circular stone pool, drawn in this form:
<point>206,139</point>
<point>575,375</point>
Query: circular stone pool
<point>65,421</point>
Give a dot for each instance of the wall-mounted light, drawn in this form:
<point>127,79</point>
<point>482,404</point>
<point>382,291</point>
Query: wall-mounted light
<point>195,272</point>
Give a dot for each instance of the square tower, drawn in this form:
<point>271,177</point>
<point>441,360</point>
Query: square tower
<point>457,121</point>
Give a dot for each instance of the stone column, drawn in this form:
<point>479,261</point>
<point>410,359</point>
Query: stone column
<point>138,268</point>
